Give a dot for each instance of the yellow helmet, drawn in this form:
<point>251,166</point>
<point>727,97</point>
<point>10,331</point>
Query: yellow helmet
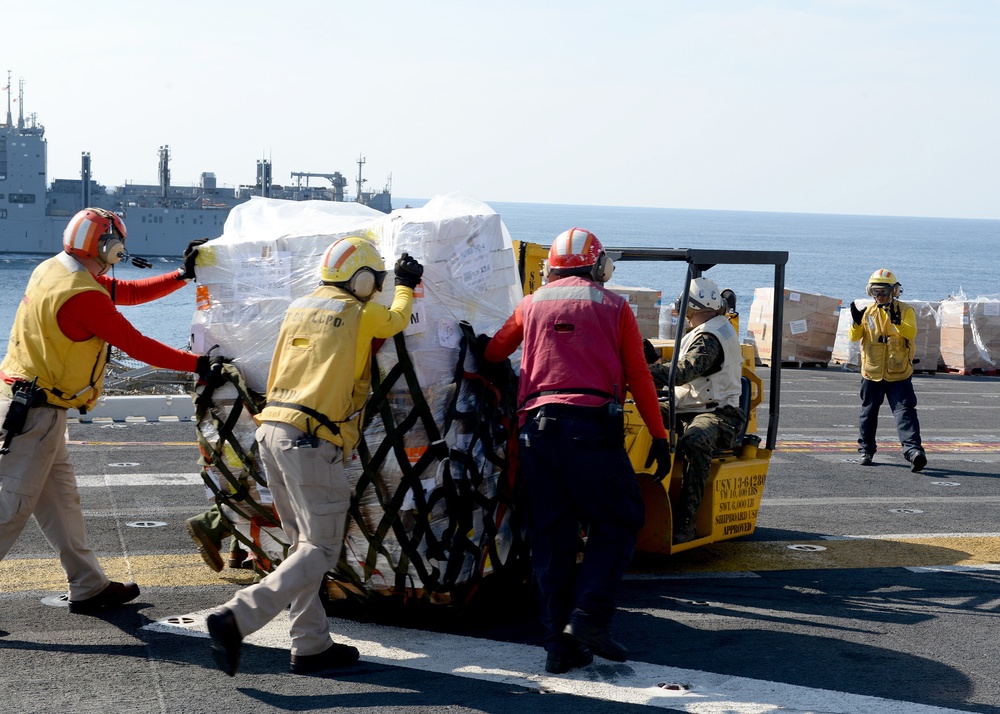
<point>354,264</point>
<point>885,278</point>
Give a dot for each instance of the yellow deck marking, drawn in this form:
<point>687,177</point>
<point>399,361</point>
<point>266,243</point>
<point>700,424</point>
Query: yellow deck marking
<point>804,445</point>
<point>17,575</point>
<point>132,443</point>
<point>743,556</point>
<point>146,570</point>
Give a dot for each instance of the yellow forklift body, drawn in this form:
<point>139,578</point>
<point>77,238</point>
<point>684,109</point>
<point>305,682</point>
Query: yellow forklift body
<point>733,490</point>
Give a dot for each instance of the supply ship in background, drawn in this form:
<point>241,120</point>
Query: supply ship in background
<point>161,218</point>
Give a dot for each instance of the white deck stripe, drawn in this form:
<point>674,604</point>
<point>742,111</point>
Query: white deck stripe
<point>103,480</point>
<point>522,666</point>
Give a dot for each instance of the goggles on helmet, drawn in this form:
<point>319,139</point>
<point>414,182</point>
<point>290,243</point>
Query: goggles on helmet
<point>880,291</point>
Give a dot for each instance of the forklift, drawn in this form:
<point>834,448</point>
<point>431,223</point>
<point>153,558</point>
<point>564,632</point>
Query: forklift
<point>736,482</point>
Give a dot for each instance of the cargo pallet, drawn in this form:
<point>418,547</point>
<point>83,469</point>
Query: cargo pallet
<point>804,365</point>
<point>970,371</point>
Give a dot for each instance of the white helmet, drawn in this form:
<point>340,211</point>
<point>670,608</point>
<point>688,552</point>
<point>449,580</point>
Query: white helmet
<point>704,294</point>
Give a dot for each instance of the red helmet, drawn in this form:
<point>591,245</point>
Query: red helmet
<point>575,248</point>
<point>92,232</point>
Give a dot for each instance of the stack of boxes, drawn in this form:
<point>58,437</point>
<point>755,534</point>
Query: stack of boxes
<point>645,304</point>
<point>970,335</point>
<point>809,330</point>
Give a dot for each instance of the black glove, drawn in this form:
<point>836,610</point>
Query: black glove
<point>659,451</point>
<point>652,354</point>
<point>895,315</point>
<point>480,345</point>
<point>190,256</point>
<point>856,313</point>
<point>209,370</point>
<point>408,271</point>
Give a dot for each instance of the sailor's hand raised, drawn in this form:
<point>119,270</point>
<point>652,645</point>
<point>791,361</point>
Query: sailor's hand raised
<point>408,271</point>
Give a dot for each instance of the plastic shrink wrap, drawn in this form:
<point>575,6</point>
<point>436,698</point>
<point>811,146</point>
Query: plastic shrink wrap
<point>432,510</point>
<point>970,334</point>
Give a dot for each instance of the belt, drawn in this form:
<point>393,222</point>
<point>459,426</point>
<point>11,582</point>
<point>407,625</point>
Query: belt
<point>7,391</point>
<point>571,411</point>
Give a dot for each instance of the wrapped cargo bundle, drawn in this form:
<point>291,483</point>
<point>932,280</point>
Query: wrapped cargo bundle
<point>970,334</point>
<point>433,507</point>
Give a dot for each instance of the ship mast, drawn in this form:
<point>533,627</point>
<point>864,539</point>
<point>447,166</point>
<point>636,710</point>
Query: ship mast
<point>10,120</point>
<point>361,181</point>
<point>20,104</point>
<point>164,171</point>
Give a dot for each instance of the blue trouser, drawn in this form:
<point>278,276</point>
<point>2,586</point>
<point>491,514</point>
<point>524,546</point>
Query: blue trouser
<point>902,401</point>
<point>577,473</point>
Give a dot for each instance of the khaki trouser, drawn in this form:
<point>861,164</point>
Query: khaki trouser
<point>37,478</point>
<point>312,496</point>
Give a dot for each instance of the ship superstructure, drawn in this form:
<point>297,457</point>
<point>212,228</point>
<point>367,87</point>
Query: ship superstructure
<point>161,218</point>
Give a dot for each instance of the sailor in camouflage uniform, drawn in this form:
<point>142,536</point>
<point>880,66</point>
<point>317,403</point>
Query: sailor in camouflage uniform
<point>707,397</point>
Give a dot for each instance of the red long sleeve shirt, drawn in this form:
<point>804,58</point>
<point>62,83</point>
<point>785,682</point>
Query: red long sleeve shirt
<point>93,313</point>
<point>637,376</point>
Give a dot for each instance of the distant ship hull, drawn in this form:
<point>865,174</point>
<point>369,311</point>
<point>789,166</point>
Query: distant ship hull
<point>161,219</point>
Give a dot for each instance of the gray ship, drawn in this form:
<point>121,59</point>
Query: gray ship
<point>161,218</point>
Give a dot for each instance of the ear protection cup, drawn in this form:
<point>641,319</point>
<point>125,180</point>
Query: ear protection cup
<point>110,249</point>
<point>603,269</point>
<point>362,284</point>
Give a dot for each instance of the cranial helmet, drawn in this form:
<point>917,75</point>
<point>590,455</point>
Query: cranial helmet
<point>354,264</point>
<point>95,233</point>
<point>704,294</point>
<point>884,278</point>
<point>578,252</point>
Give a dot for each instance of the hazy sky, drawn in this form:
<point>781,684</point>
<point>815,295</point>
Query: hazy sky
<point>872,107</point>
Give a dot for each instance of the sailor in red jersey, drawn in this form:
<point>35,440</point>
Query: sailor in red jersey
<point>582,353</point>
<point>55,361</point>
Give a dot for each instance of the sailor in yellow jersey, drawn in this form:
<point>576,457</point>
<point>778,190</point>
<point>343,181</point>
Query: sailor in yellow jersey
<point>887,330</point>
<point>317,387</point>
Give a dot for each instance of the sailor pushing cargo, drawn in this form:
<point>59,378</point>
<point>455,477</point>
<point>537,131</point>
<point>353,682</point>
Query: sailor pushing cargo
<point>582,353</point>
<point>55,361</point>
<point>317,386</point>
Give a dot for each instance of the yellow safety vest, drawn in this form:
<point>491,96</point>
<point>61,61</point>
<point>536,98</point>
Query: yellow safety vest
<point>887,350</point>
<point>71,373</point>
<point>311,384</point>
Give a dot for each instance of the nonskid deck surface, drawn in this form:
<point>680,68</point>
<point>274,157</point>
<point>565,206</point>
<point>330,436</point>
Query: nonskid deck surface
<point>862,589</point>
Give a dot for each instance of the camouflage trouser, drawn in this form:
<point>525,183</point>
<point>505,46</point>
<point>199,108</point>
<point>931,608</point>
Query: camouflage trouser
<point>703,434</point>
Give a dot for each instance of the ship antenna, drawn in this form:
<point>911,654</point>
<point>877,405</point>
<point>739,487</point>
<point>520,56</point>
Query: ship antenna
<point>10,121</point>
<point>361,181</point>
<point>20,104</point>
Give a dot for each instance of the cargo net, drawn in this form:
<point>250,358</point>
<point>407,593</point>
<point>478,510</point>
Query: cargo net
<point>435,508</point>
<point>233,476</point>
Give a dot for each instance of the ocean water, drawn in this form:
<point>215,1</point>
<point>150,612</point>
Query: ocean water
<point>828,254</point>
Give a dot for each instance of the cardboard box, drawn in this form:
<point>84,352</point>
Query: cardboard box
<point>809,326</point>
<point>645,304</point>
<point>970,335</point>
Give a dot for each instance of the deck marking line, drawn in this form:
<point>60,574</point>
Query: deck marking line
<point>523,666</point>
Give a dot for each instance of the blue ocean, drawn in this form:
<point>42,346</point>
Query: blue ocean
<point>828,254</point>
